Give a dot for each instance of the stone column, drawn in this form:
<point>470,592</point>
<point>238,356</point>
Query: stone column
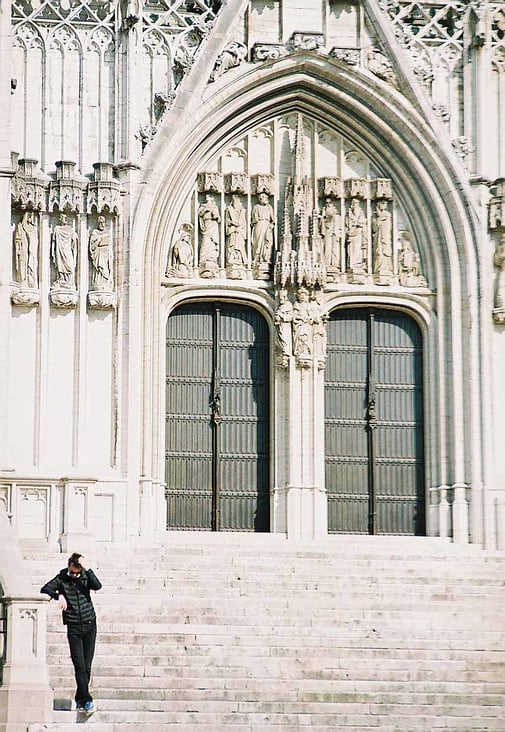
<point>25,693</point>
<point>299,500</point>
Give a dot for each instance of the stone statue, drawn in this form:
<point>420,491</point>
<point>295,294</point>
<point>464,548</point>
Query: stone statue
<point>235,223</point>
<point>64,253</point>
<point>408,262</point>
<point>262,221</point>
<point>319,316</point>
<point>357,240</point>
<point>499,298</point>
<point>209,219</point>
<point>101,256</point>
<point>382,240</point>
<point>180,259</point>
<point>302,329</point>
<point>331,230</point>
<point>283,319</point>
<point>232,56</point>
<point>26,247</point>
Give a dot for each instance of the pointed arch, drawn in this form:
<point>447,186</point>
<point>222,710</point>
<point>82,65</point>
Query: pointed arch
<point>391,132</point>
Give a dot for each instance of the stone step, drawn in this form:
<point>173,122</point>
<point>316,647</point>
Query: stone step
<point>427,717</point>
<point>258,633</point>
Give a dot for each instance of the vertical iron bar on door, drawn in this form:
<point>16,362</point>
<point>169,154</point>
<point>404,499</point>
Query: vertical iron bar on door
<point>371,425</point>
<point>216,418</point>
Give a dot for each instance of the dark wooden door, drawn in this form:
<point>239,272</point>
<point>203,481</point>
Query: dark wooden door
<point>217,418</point>
<point>374,423</point>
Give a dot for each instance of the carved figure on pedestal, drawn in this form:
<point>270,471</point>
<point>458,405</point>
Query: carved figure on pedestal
<point>64,253</point>
<point>101,256</point>
<point>283,319</point>
<point>382,242</point>
<point>180,258</point>
<point>408,262</point>
<point>26,247</point>
<point>319,316</point>
<point>262,221</point>
<point>356,236</point>
<point>499,298</point>
<point>209,219</point>
<point>302,329</point>
<point>331,230</point>
<point>236,232</point>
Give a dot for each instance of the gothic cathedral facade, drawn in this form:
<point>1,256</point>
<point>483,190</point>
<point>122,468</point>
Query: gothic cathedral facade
<point>252,268</point>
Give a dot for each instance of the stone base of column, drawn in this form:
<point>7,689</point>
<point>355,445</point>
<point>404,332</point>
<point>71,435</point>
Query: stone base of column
<point>24,704</point>
<point>301,512</point>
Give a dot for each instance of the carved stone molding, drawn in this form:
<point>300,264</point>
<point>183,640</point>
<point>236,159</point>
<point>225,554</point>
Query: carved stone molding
<point>104,192</point>
<point>268,51</point>
<point>357,188</point>
<point>210,182</point>
<point>236,183</point>
<point>497,205</point>
<point>67,191</point>
<point>331,186</point>
<point>64,299</point>
<point>350,56</point>
<point>380,66</point>
<point>25,297</point>
<point>303,41</point>
<point>382,188</point>
<point>29,186</point>
<point>102,300</point>
<point>463,148</point>
<point>263,183</point>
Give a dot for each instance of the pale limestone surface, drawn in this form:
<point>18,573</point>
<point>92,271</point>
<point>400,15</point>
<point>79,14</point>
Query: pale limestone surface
<point>356,101</point>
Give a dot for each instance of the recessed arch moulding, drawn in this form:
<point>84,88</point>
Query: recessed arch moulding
<point>361,204</point>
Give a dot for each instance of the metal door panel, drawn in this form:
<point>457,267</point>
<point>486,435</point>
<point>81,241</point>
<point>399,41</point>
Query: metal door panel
<point>217,418</point>
<point>376,442</point>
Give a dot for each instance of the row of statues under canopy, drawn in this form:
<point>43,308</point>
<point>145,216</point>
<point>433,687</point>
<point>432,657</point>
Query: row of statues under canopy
<point>63,252</point>
<point>341,242</point>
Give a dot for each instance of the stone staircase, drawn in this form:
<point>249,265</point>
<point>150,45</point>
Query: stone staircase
<point>254,632</point>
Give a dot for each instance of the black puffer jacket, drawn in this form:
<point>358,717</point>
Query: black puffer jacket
<point>76,591</point>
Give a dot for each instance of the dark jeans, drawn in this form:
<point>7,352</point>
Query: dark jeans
<point>81,639</point>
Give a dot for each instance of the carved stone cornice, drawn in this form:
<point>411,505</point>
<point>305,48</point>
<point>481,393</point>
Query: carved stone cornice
<point>29,187</point>
<point>104,192</point>
<point>66,193</point>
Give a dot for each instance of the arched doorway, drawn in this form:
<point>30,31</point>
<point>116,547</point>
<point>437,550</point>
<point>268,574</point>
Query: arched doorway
<point>374,461</point>
<point>217,418</point>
